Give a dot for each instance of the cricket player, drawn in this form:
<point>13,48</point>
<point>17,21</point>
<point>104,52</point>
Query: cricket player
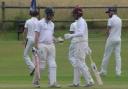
<point>79,48</point>
<point>77,73</point>
<point>44,42</point>
<point>113,42</point>
<point>29,36</point>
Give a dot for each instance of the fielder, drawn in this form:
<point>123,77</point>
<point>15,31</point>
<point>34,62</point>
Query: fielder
<point>79,48</point>
<point>29,36</point>
<point>44,42</point>
<point>113,42</point>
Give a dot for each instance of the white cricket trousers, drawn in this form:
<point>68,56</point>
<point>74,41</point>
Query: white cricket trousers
<point>77,55</point>
<point>27,50</point>
<point>109,47</point>
<point>47,54</point>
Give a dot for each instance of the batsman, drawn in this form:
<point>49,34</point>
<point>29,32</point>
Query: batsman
<point>79,48</point>
<point>44,42</point>
<point>29,35</point>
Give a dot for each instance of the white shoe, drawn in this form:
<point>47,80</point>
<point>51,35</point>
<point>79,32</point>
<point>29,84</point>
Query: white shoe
<point>118,74</point>
<point>90,84</point>
<point>101,73</point>
<point>55,86</point>
<point>74,85</point>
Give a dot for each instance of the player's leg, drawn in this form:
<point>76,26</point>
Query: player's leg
<point>82,65</point>
<point>107,54</point>
<point>85,72</point>
<point>118,57</point>
<point>52,66</point>
<point>72,53</point>
<point>27,59</point>
<point>76,74</point>
<point>76,79</point>
<point>42,60</point>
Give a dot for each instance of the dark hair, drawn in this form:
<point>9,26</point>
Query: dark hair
<point>49,11</point>
<point>34,13</point>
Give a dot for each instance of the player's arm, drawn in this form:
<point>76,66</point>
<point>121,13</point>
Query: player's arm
<point>72,28</point>
<point>25,32</point>
<point>108,27</point>
<point>80,26</point>
<point>24,36</point>
<point>71,32</point>
<point>108,30</point>
<point>36,39</point>
<point>37,34</point>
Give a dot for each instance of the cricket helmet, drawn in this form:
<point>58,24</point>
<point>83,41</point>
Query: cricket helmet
<point>33,8</point>
<point>33,12</point>
<point>49,11</point>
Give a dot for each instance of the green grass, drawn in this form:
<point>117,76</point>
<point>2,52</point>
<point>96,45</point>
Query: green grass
<point>14,72</point>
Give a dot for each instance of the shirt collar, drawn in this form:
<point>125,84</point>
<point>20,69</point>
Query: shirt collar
<point>80,18</point>
<point>114,15</point>
<point>33,18</point>
<point>46,21</point>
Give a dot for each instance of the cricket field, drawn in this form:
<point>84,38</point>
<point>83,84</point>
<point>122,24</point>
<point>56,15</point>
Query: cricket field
<point>14,73</point>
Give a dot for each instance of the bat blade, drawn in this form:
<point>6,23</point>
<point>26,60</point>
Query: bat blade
<point>37,66</point>
<point>96,73</point>
<point>37,63</point>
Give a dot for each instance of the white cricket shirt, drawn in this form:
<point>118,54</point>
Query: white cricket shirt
<point>31,25</point>
<point>46,30</point>
<point>116,25</point>
<point>81,30</point>
<point>73,26</point>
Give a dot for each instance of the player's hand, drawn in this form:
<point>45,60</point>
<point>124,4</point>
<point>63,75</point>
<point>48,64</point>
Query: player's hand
<point>60,39</point>
<point>67,36</point>
<point>89,51</point>
<point>36,47</point>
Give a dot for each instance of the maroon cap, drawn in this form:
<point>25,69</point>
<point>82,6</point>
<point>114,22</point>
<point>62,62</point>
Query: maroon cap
<point>77,10</point>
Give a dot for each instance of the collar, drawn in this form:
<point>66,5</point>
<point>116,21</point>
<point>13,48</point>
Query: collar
<point>46,21</point>
<point>33,18</point>
<point>80,18</point>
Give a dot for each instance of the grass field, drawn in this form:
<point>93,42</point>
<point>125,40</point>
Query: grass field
<point>14,73</point>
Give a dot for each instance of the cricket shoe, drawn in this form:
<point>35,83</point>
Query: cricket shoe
<point>74,85</point>
<point>102,74</point>
<point>36,84</point>
<point>55,86</point>
<point>32,72</point>
<point>90,84</point>
<point>118,75</point>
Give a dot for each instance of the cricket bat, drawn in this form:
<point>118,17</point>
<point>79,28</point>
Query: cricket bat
<point>37,62</point>
<point>96,73</point>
